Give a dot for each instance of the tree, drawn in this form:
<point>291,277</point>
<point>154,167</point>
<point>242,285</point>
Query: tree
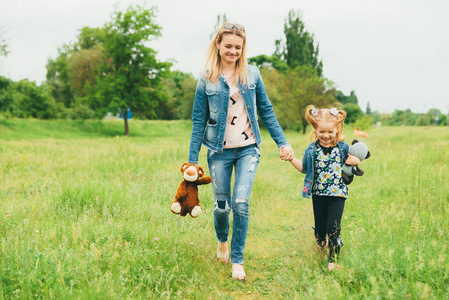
<point>269,61</point>
<point>299,47</point>
<point>25,99</point>
<point>89,37</point>
<point>353,112</point>
<point>76,65</point>
<point>368,109</point>
<point>343,99</point>
<point>82,66</point>
<point>442,120</point>
<point>132,76</point>
<point>402,117</point>
<point>3,44</point>
<point>434,115</point>
<point>292,91</point>
<point>424,120</point>
<point>351,106</point>
<point>363,123</point>
<point>5,94</point>
<point>111,67</point>
<point>186,97</point>
<point>180,88</point>
<point>58,78</point>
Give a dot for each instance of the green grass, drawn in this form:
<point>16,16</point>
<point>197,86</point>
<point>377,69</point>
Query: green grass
<point>85,214</point>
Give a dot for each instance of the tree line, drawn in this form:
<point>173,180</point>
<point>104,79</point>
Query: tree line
<point>112,68</point>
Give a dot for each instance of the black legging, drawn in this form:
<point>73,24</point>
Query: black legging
<point>328,211</point>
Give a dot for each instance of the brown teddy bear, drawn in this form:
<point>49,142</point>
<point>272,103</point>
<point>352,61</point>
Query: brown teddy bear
<point>186,198</point>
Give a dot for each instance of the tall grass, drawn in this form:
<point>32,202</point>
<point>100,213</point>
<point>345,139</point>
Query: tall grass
<point>85,214</point>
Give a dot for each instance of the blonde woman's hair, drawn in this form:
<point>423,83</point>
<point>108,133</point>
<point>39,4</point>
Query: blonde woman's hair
<point>314,115</point>
<point>212,65</point>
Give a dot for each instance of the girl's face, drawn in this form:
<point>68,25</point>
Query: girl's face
<point>230,48</point>
<point>326,133</point>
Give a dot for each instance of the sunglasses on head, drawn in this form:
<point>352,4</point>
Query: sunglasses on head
<point>230,26</point>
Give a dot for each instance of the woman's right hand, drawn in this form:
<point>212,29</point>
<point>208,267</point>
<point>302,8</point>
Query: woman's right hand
<point>286,153</point>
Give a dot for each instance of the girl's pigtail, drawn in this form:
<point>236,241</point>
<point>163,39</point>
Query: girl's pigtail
<point>310,114</point>
<point>341,116</point>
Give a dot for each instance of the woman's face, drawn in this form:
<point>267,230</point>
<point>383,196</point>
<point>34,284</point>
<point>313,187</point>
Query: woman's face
<point>326,133</point>
<point>230,48</point>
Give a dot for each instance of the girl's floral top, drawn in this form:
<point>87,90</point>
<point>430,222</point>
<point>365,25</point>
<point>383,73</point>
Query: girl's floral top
<point>328,168</point>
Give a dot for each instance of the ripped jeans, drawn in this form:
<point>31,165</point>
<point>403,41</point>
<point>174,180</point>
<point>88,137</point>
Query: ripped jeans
<point>245,160</point>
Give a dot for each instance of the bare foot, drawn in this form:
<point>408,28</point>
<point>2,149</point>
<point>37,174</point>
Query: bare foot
<point>238,272</point>
<point>223,252</point>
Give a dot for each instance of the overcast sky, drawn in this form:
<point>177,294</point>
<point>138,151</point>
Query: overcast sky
<point>393,53</point>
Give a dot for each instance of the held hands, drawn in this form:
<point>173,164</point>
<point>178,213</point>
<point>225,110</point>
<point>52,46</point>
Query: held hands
<point>286,153</point>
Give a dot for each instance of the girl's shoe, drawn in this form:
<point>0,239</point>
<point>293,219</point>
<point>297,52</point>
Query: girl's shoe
<point>239,275</point>
<point>222,256</point>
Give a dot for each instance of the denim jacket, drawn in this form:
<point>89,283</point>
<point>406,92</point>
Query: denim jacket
<point>308,165</point>
<point>210,113</point>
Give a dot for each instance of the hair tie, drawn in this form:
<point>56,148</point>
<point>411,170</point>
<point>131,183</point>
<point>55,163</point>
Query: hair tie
<point>314,111</point>
<point>334,111</point>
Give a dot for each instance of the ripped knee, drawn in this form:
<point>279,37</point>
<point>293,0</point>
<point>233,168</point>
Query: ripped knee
<point>221,206</point>
<point>240,200</point>
<point>241,206</point>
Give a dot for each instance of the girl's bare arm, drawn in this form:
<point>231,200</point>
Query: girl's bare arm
<point>297,164</point>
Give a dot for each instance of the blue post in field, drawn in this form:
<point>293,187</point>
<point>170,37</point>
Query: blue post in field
<point>128,113</point>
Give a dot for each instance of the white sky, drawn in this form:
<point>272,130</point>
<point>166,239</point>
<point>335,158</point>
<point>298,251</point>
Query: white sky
<point>393,53</point>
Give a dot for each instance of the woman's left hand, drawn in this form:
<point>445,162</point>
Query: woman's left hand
<point>286,153</point>
<point>352,160</point>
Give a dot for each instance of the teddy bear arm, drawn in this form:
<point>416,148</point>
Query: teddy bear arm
<point>205,180</point>
<point>357,171</point>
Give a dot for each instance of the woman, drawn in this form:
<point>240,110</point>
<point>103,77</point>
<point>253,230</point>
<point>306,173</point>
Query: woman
<point>225,121</point>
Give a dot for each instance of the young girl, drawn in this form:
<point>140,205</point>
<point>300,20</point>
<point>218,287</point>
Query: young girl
<point>228,96</point>
<point>322,163</point>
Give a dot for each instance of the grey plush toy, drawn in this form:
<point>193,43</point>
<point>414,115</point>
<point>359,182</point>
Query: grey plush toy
<point>359,150</point>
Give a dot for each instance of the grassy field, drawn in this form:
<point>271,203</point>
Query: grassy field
<point>85,214</point>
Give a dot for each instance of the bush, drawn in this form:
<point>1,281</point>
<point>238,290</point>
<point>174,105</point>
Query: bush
<point>82,112</point>
<point>442,120</point>
<point>25,99</point>
<point>353,112</point>
<point>363,123</point>
<point>34,101</point>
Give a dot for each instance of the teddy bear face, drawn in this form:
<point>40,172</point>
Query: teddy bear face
<point>359,150</point>
<point>191,172</point>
